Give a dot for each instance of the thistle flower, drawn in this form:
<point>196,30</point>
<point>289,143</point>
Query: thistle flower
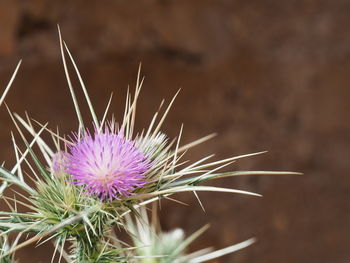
<point>107,165</point>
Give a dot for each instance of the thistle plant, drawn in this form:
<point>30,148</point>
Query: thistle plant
<point>94,181</point>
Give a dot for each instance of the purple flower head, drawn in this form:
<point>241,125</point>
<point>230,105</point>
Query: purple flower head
<point>107,165</point>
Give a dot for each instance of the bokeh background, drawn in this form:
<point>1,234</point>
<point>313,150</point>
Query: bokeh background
<point>266,75</point>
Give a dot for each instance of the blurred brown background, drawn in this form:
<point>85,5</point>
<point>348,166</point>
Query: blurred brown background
<point>266,75</point>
